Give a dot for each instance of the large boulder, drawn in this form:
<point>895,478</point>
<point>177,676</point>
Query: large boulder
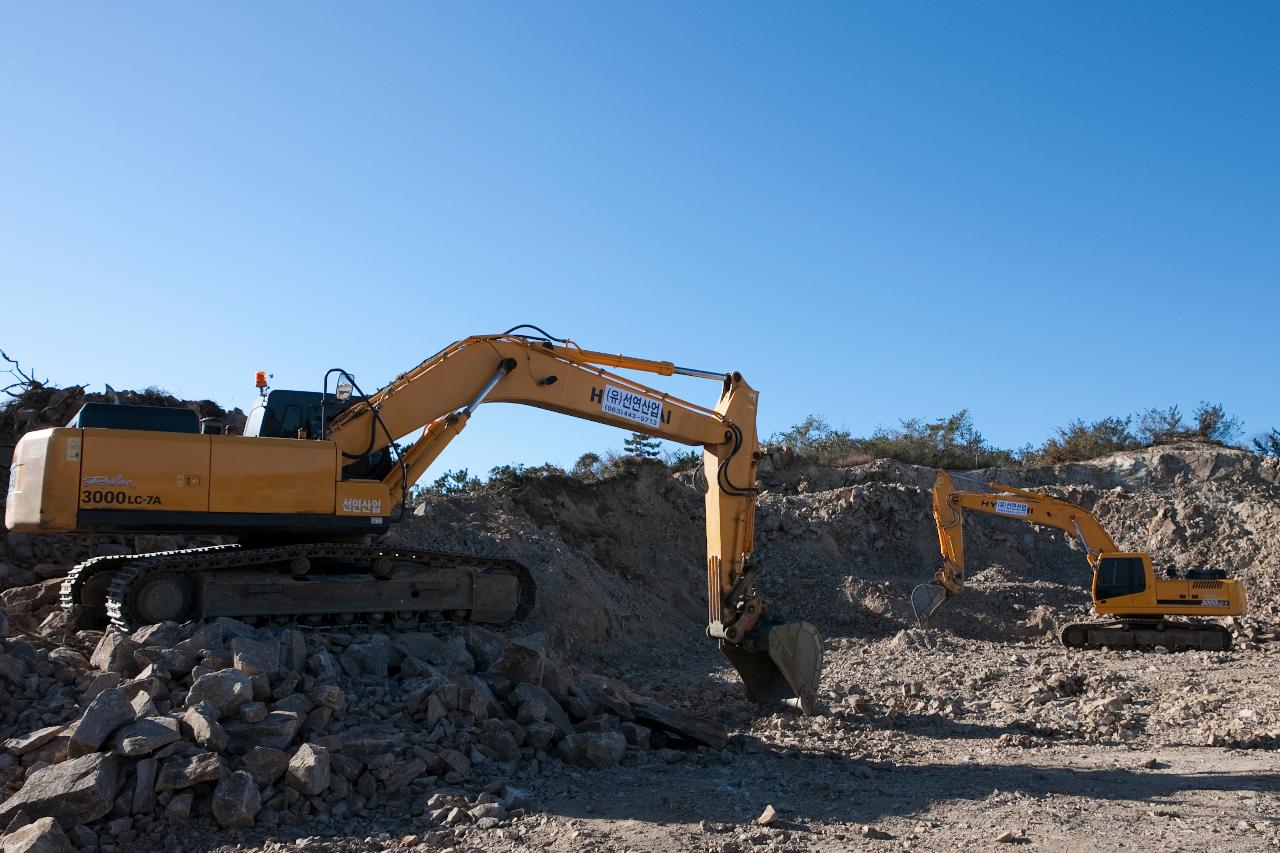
<point>77,791</point>
<point>104,715</point>
<point>42,836</point>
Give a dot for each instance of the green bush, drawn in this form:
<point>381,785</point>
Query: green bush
<point>458,482</point>
<point>1165,426</point>
<point>1078,441</point>
<point>950,442</point>
<point>683,460</point>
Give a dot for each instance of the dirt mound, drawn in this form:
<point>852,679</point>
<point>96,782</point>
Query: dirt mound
<point>619,561</point>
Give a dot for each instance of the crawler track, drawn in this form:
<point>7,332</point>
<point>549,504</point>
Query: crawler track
<point>311,583</point>
<point>1147,634</point>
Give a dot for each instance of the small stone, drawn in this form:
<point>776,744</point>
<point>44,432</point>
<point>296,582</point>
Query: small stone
<point>178,773</point>
<point>520,661</point>
<point>223,691</point>
<point>401,773</point>
<point>768,816</point>
<point>869,831</point>
<point>236,800</point>
<point>146,736</point>
<point>330,696</point>
<point>276,730</point>
<point>108,711</point>
<point>266,765</point>
<point>114,653</point>
<point>636,735</point>
<point>253,712</point>
<point>1007,837</point>
<point>488,810</point>
<point>179,808</point>
<point>369,658</point>
<point>309,769</point>
<point>83,837</point>
<point>32,741</point>
<point>256,657</point>
<point>555,714</point>
<point>199,725</point>
<point>144,786</point>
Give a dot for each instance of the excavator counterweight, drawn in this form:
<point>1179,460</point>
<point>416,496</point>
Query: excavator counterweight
<point>318,476</point>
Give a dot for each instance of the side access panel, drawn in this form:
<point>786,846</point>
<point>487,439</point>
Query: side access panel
<point>143,470</point>
<point>272,475</point>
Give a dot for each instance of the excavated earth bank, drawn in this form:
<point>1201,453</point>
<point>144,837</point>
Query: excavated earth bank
<point>567,733</point>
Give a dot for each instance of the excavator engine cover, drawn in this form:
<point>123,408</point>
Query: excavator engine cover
<point>780,664</point>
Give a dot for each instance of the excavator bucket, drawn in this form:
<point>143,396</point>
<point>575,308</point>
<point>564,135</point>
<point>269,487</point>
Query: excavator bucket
<point>780,664</point>
<point>927,598</point>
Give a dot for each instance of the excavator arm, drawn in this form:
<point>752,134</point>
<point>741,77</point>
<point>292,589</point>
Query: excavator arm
<point>1007,501</point>
<point>440,395</point>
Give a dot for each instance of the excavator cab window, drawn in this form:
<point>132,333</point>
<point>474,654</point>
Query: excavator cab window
<point>1119,576</point>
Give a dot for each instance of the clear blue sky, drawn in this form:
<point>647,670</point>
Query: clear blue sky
<point>1038,211</point>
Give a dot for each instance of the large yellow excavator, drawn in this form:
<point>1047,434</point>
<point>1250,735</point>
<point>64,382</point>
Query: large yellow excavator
<point>1124,584</point>
<point>317,475</point>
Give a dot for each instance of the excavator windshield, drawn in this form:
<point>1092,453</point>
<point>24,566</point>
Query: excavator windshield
<point>1117,576</point>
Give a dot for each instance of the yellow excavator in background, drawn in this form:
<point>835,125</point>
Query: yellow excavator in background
<point>317,474</point>
<point>1124,584</point>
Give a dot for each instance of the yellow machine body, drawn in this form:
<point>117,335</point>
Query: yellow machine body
<point>66,480</point>
<point>328,469</point>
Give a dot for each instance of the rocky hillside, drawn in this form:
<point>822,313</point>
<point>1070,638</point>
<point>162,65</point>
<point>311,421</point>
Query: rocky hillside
<point>619,561</point>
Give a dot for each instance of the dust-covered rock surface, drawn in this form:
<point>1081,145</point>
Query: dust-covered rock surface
<point>976,732</point>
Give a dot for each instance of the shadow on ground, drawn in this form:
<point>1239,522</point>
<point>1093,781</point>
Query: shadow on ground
<point>810,788</point>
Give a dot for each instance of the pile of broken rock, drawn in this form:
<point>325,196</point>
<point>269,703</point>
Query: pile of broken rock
<point>115,738</point>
